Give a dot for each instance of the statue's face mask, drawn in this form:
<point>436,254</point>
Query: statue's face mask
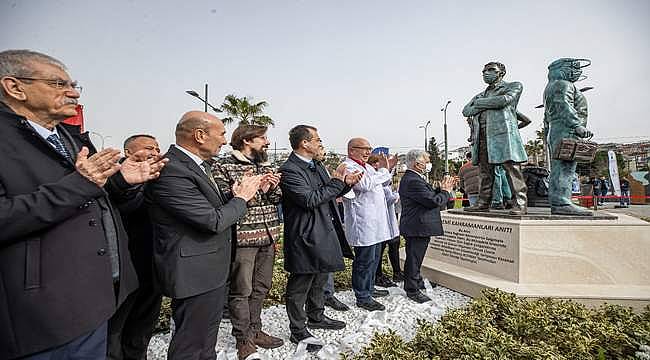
<point>569,69</point>
<point>491,74</point>
<point>576,69</point>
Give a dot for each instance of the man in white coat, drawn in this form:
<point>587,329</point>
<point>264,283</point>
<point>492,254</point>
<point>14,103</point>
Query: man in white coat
<point>366,223</point>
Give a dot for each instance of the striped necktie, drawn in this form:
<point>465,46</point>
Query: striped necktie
<point>59,146</point>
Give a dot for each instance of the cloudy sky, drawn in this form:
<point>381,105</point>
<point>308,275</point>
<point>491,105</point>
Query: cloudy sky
<point>377,69</point>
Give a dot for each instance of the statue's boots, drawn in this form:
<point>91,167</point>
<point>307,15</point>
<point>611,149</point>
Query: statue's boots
<point>478,207</point>
<point>570,210</point>
<point>519,210</point>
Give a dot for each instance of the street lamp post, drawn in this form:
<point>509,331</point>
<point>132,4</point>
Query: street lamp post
<point>101,137</point>
<point>426,138</point>
<point>204,100</point>
<point>444,110</point>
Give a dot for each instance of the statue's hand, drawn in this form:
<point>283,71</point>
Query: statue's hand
<point>582,132</point>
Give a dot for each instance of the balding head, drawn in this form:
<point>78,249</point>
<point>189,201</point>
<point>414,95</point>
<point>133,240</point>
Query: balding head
<point>359,149</point>
<point>201,133</point>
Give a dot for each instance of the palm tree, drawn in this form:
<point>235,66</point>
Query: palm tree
<point>534,148</point>
<point>243,110</point>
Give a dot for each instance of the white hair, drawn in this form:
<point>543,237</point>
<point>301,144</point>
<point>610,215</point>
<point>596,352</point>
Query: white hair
<point>19,63</point>
<point>413,156</point>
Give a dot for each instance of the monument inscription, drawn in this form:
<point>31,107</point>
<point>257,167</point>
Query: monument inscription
<point>482,246</point>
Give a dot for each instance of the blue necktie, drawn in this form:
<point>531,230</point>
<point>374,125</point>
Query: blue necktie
<point>59,146</point>
<point>312,166</point>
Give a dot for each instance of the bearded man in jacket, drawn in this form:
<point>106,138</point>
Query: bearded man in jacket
<point>251,271</point>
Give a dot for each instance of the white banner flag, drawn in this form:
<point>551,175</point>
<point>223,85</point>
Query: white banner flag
<point>613,173</point>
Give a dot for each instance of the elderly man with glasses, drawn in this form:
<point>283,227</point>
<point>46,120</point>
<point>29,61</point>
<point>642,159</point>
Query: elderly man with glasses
<point>366,221</point>
<point>64,255</point>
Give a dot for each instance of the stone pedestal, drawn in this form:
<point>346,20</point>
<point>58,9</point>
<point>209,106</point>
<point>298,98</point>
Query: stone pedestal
<point>592,260</point>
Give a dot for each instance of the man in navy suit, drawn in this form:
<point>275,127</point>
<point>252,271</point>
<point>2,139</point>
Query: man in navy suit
<point>420,219</point>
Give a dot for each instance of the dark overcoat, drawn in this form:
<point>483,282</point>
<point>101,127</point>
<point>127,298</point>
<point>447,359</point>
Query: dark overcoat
<point>314,241</point>
<point>421,205</point>
<point>55,271</point>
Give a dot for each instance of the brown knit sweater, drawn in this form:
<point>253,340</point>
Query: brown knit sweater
<point>261,225</point>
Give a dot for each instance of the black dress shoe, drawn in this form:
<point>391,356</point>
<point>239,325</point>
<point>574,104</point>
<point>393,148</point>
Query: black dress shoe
<point>371,305</point>
<point>379,293</point>
<point>384,281</point>
<point>326,323</point>
<point>336,304</point>
<point>422,287</point>
<point>418,297</point>
<point>294,338</point>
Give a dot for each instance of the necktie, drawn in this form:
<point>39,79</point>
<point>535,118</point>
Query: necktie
<point>207,167</point>
<point>208,171</point>
<point>59,146</point>
<point>312,166</point>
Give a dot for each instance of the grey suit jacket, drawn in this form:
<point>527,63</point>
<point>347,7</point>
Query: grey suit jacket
<point>192,228</point>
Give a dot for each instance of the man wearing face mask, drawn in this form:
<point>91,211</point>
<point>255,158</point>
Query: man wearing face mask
<point>565,117</point>
<point>421,205</point>
<point>497,141</point>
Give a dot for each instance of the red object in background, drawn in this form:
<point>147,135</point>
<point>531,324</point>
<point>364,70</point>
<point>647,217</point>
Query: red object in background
<point>78,119</point>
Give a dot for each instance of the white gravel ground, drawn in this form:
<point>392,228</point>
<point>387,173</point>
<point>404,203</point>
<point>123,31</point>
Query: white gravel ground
<point>400,315</point>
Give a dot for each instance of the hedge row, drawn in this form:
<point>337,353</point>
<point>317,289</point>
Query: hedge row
<point>499,325</point>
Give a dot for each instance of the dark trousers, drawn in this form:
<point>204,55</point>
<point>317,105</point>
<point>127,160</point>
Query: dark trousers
<point>304,299</point>
<point>197,321</point>
<point>89,346</point>
<point>625,197</point>
<point>416,247</point>
<point>393,256</point>
<point>364,267</point>
<point>251,276</point>
<point>131,327</point>
<point>603,193</point>
<point>513,174</point>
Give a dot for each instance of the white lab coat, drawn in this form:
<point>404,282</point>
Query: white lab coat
<point>392,197</point>
<point>366,214</point>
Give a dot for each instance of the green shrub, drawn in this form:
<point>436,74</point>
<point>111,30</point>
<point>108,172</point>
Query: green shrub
<point>501,326</point>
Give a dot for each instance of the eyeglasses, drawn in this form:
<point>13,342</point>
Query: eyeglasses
<point>56,83</point>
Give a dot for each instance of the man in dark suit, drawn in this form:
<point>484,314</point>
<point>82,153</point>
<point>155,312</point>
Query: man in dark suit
<point>131,328</point>
<point>64,261</point>
<point>420,218</point>
<point>314,242</point>
<point>193,227</point>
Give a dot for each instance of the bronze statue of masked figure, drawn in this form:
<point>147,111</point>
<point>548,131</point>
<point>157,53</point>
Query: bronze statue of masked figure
<point>565,117</point>
<point>497,141</point>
